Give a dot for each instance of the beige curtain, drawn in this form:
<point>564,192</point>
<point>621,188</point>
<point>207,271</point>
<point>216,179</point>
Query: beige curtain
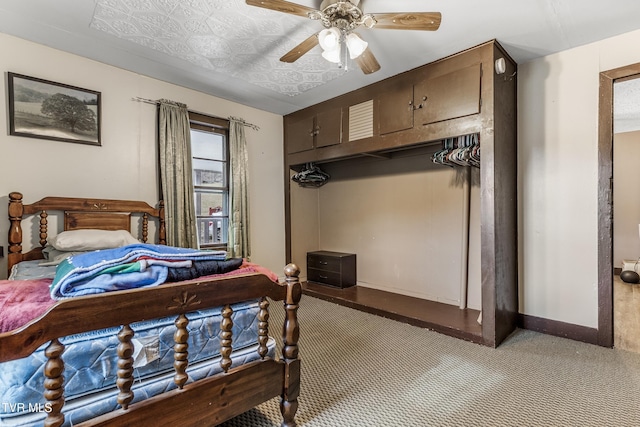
<point>239,244</point>
<point>176,176</point>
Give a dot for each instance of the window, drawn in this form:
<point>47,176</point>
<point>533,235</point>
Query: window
<point>210,163</point>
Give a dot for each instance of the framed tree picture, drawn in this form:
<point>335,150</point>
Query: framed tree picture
<point>48,110</point>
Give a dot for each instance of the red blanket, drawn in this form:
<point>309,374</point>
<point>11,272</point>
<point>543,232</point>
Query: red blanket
<point>24,300</point>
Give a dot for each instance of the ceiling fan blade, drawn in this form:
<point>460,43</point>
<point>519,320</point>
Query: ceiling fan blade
<point>294,54</point>
<point>426,21</point>
<point>367,62</point>
<point>282,6</point>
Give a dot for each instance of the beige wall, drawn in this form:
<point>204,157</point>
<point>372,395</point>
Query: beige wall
<point>124,166</point>
<point>626,197</point>
<point>558,172</point>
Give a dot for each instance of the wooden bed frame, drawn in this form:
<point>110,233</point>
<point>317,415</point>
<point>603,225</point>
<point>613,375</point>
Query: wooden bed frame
<point>209,401</point>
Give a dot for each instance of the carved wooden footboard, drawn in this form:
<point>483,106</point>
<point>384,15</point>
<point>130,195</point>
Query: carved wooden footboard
<point>205,402</point>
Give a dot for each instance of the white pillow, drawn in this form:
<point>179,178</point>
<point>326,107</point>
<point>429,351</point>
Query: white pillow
<point>91,240</point>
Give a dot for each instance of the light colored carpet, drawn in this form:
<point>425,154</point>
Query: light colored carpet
<point>363,370</point>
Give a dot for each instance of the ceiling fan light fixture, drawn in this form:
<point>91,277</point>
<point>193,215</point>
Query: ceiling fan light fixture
<point>341,18</point>
<point>332,55</point>
<point>329,38</point>
<point>355,45</point>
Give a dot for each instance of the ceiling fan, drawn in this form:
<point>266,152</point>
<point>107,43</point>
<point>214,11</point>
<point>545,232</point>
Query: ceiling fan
<point>340,19</point>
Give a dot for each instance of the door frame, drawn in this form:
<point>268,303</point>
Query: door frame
<point>605,200</point>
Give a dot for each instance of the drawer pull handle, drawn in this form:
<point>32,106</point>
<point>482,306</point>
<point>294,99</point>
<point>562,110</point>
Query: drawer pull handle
<point>323,277</point>
<point>324,262</point>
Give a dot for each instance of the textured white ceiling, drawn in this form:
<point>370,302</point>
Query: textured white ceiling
<point>211,34</point>
<point>231,50</point>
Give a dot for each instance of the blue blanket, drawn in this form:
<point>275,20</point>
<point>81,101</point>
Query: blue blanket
<point>128,267</point>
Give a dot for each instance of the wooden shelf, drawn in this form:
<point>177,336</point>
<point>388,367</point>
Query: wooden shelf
<point>444,318</point>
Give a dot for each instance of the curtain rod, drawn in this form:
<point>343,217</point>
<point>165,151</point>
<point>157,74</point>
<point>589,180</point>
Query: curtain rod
<point>156,102</point>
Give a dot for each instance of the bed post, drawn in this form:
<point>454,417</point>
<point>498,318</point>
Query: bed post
<point>16,210</point>
<point>162,230</point>
<point>290,335</point>
<point>54,384</point>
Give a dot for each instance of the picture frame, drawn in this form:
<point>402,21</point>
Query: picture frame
<point>48,110</point>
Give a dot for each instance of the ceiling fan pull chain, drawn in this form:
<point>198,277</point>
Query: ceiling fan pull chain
<point>344,52</point>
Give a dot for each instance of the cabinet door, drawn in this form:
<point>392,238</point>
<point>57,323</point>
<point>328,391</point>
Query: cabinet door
<point>329,127</point>
<point>299,134</point>
<point>395,110</point>
<point>452,95</point>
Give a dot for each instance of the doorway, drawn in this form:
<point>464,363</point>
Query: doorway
<point>605,200</point>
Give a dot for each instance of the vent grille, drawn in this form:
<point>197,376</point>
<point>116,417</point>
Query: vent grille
<point>361,120</point>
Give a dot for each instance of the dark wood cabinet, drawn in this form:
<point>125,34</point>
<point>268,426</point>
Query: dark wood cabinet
<point>395,110</point>
<point>299,134</point>
<point>449,96</point>
<point>440,100</point>
<point>308,132</point>
<point>431,100</point>
<point>328,127</point>
<point>331,268</point>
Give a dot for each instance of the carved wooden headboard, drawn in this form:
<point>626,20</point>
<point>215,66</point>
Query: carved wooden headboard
<point>103,214</point>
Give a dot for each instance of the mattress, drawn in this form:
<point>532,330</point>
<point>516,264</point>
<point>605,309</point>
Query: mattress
<point>101,402</point>
<point>91,358</point>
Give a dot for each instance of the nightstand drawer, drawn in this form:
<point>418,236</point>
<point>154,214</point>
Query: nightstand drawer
<point>327,277</point>
<point>323,262</point>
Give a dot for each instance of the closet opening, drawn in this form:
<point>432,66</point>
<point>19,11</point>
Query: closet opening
<point>626,213</point>
<point>412,217</point>
<point>608,261</point>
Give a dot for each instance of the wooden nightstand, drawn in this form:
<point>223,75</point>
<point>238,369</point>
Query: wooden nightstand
<point>331,268</point>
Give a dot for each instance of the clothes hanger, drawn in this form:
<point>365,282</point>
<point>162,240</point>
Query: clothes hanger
<point>311,176</point>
